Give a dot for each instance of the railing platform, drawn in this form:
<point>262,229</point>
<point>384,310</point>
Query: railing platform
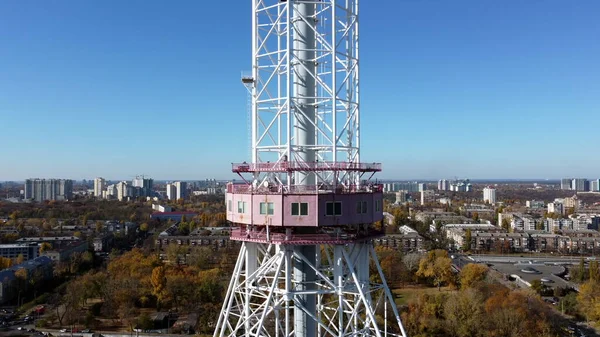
<point>309,167</point>
<point>303,189</point>
<point>301,239</point>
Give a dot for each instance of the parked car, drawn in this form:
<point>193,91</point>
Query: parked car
<point>86,330</point>
<point>62,330</point>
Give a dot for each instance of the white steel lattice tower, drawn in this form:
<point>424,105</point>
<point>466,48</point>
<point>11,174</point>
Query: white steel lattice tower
<point>305,212</point>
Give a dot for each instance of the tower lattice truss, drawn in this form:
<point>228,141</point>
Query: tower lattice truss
<point>350,300</point>
<point>305,208</point>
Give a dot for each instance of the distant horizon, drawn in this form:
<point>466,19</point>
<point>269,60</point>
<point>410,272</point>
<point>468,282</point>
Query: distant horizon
<point>532,180</point>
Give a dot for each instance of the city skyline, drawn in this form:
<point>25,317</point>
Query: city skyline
<point>481,91</point>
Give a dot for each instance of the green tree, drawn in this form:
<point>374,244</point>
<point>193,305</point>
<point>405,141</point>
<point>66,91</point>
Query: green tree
<point>569,305</point>
<point>538,286</point>
<point>144,322</point>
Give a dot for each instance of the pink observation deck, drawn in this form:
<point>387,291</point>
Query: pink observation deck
<point>285,206</point>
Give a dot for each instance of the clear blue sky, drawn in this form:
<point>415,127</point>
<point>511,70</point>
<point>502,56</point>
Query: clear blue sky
<point>479,89</point>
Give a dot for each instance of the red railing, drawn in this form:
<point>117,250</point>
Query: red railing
<point>298,166</point>
<point>303,189</point>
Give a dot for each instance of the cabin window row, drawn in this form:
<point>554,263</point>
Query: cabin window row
<point>332,208</point>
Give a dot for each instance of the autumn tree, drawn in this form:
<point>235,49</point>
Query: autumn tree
<point>159,282</point>
<point>472,273</point>
<point>45,246</point>
<point>468,238</point>
<point>20,259</point>
<point>21,276</point>
<point>390,261</point>
<point>5,263</point>
<point>588,298</point>
<point>411,261</point>
<point>175,252</point>
<point>506,224</point>
<point>464,313</point>
<point>437,266</point>
<point>99,226</point>
<point>594,272</point>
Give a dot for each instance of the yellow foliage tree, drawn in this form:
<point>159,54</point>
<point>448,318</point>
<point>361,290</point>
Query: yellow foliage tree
<point>20,259</point>
<point>45,246</point>
<point>159,283</point>
<point>471,274</point>
<point>437,266</point>
<point>5,262</point>
<point>589,300</point>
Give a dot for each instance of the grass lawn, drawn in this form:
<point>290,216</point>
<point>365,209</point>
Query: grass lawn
<point>403,296</point>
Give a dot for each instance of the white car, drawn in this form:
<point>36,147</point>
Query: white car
<point>62,330</point>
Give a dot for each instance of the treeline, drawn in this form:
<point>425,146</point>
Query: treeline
<point>480,307</point>
<point>92,209</point>
<point>137,281</point>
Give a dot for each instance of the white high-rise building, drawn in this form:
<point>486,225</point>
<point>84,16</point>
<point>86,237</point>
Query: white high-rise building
<point>580,184</point>
<point>555,207</point>
<point>427,196</point>
<point>401,197</point>
<point>143,186</point>
<point>124,190</point>
<point>565,183</point>
<point>489,195</point>
<point>443,185</point>
<point>99,186</point>
<point>181,189</point>
<point>171,191</point>
<point>595,185</point>
<point>111,191</point>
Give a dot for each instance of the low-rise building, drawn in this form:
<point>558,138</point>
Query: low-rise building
<point>457,233</point>
<point>29,251</point>
<point>104,242</point>
<point>175,216</point>
<point>540,241</point>
<point>524,222</point>
<point>50,239</point>
<point>407,242</point>
<point>535,204</point>
<point>215,241</point>
<point>501,242</point>
<point>64,251</point>
<point>162,208</point>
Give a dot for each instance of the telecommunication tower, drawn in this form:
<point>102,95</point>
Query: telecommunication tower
<point>306,209</point>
